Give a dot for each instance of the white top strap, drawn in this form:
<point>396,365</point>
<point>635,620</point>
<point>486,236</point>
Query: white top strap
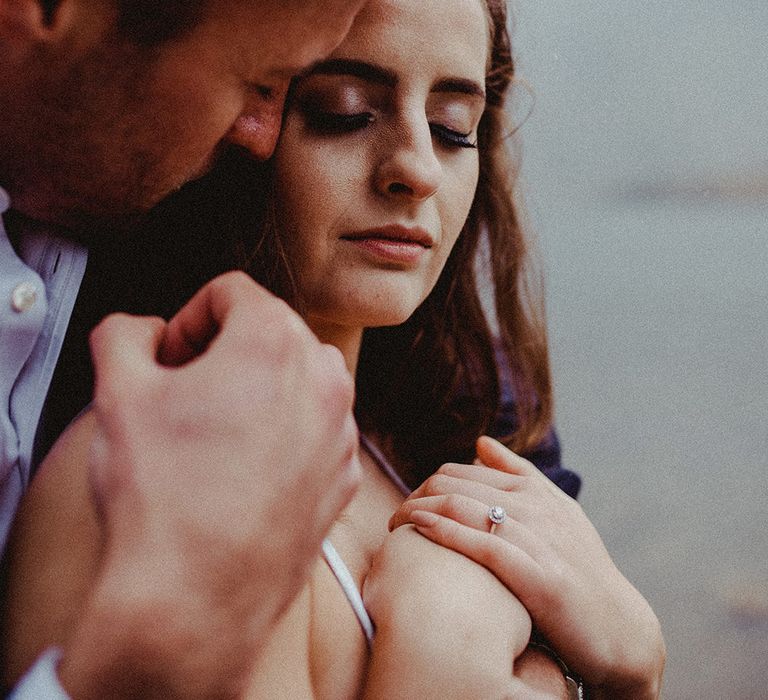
<point>347,583</point>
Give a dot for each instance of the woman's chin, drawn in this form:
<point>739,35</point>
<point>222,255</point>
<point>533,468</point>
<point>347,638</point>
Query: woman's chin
<point>393,315</point>
<point>368,317</point>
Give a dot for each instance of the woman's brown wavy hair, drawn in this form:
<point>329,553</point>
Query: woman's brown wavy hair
<point>430,386</point>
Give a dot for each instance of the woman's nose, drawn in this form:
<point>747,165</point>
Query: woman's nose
<point>257,128</point>
<point>411,169</point>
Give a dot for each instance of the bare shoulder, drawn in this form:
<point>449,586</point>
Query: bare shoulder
<point>434,608</point>
<point>53,552</point>
<point>449,590</point>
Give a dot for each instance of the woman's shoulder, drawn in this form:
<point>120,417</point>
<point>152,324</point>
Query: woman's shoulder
<point>52,553</point>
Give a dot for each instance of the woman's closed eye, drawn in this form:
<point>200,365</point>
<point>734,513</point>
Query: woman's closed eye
<point>328,122</point>
<point>450,138</point>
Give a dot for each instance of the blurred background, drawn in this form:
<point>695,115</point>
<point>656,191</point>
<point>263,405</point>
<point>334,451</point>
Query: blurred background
<point>645,173</point>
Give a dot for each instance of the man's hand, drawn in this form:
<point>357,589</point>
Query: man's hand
<point>225,448</point>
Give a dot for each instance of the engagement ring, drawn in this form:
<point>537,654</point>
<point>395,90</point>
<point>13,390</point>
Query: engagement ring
<point>497,515</point>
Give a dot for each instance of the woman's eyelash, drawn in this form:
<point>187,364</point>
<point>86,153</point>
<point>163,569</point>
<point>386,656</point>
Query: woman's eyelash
<point>450,137</point>
<point>324,122</point>
<point>327,122</point>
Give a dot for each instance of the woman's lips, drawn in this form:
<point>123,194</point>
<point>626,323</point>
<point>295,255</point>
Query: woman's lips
<point>393,244</point>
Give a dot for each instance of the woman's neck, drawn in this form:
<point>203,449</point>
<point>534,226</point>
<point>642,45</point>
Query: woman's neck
<point>347,339</point>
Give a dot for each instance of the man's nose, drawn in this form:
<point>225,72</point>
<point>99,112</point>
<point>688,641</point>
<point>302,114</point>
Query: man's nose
<point>257,128</point>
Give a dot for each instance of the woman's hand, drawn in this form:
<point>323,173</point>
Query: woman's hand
<point>434,608</point>
<point>550,556</point>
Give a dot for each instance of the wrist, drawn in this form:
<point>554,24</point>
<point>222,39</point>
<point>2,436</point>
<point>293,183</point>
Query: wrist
<point>638,677</point>
<point>645,691</point>
<point>572,685</point>
<point>539,675</point>
<point>107,656</point>
<point>139,640</point>
<point>646,688</point>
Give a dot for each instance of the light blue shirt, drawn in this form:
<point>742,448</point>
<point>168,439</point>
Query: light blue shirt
<point>39,282</point>
<point>41,682</point>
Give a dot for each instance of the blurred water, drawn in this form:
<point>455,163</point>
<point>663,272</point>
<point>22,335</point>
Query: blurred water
<point>646,178</point>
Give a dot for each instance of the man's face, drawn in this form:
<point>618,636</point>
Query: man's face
<point>120,127</point>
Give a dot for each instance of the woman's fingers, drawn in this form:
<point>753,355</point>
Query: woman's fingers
<point>449,478</point>
<point>484,475</point>
<point>454,489</point>
<point>497,471</point>
<point>471,513</point>
<point>495,455</point>
<point>551,558</point>
<point>512,565</point>
<point>463,509</point>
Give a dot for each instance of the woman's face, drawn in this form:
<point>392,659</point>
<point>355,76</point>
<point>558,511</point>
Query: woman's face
<point>376,167</point>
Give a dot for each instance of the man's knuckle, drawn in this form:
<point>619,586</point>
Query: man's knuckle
<point>108,326</point>
<point>340,384</point>
<point>233,280</point>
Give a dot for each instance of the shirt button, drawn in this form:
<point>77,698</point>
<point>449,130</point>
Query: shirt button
<point>23,297</point>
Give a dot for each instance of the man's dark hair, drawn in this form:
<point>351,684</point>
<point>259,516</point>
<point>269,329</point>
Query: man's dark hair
<point>149,22</point>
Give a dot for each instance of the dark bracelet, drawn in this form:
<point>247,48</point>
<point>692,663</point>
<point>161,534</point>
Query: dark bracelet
<point>573,683</point>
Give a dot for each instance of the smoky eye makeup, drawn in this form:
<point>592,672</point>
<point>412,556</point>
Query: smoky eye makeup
<point>332,104</point>
<point>451,138</point>
<point>333,108</point>
<point>329,123</point>
<point>458,114</point>
<point>453,120</point>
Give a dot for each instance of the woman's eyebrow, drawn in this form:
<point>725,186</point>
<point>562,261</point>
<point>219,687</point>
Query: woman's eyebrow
<point>359,69</point>
<point>382,76</point>
<point>466,87</point>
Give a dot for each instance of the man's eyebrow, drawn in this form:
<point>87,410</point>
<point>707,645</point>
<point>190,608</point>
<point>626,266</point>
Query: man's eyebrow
<point>359,69</point>
<point>465,87</point>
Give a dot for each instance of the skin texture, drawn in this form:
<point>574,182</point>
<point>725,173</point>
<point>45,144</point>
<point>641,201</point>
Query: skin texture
<point>144,520</point>
<point>99,130</point>
<point>548,554</point>
<point>393,167</point>
<point>390,171</point>
<point>153,546</point>
<point>180,483</point>
<point>115,127</point>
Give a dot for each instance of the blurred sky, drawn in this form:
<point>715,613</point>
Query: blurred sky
<point>645,173</point>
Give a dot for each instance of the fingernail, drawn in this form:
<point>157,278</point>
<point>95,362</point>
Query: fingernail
<point>423,518</point>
